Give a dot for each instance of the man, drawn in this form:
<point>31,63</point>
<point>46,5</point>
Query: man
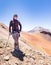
<point>15,28</point>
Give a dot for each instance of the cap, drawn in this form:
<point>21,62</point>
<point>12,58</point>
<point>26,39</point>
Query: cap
<point>15,15</point>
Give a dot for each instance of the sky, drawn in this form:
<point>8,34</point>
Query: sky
<point>31,13</point>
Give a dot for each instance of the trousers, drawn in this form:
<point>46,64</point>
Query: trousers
<point>15,36</point>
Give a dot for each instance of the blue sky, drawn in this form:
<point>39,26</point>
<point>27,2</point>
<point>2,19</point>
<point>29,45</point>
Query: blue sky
<point>31,13</point>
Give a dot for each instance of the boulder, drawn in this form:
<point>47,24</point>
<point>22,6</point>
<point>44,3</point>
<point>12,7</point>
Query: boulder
<point>6,58</point>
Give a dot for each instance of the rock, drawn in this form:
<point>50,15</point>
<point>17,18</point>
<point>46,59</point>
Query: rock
<point>1,51</point>
<point>31,59</point>
<point>25,59</point>
<point>6,58</point>
<point>41,61</point>
<point>46,64</point>
<point>1,45</point>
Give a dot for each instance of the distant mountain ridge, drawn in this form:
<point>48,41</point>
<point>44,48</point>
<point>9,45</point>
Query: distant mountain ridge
<point>39,29</point>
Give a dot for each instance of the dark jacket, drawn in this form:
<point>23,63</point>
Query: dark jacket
<point>15,25</point>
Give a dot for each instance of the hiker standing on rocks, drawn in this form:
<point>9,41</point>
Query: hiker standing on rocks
<point>15,28</point>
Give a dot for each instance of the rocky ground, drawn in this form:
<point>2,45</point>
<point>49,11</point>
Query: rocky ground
<point>25,56</point>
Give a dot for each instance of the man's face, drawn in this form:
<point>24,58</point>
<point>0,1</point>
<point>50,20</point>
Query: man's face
<point>15,17</point>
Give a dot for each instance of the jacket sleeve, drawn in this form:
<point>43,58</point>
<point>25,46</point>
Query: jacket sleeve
<point>10,26</point>
<point>20,27</point>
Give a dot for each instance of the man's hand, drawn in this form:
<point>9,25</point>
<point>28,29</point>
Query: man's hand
<point>19,31</point>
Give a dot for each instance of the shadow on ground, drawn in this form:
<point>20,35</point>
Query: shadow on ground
<point>18,54</point>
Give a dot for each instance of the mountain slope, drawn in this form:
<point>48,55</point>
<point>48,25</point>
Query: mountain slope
<point>29,53</point>
<point>37,41</point>
<point>39,29</point>
<point>2,25</point>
